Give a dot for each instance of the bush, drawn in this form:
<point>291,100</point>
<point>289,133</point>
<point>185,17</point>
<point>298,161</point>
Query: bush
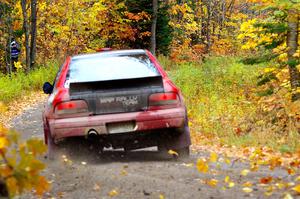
<point>20,83</point>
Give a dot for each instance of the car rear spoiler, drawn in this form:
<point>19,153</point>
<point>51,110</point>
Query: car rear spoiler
<point>119,84</point>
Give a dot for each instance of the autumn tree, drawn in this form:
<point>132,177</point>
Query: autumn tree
<point>277,29</point>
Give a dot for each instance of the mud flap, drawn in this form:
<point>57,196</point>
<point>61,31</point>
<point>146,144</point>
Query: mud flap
<point>179,140</point>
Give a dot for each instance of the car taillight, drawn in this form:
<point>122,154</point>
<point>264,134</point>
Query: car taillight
<point>163,100</point>
<point>71,107</point>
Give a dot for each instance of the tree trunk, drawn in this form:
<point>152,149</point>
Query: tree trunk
<point>153,27</point>
<point>292,43</point>
<point>26,30</point>
<point>222,20</point>
<point>208,24</point>
<point>33,33</point>
<point>8,50</point>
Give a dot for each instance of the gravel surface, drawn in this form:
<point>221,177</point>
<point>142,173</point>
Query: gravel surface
<point>80,172</point>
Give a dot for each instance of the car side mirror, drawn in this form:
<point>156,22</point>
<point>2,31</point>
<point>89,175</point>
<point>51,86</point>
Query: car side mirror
<point>47,88</point>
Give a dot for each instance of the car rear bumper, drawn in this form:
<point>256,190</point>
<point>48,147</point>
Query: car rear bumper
<point>147,120</point>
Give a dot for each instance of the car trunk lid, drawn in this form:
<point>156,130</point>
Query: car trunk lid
<point>116,96</point>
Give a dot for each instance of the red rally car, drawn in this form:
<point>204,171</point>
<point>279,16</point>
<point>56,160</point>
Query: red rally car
<point>119,99</point>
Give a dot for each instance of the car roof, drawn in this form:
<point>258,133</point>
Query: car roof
<point>109,53</point>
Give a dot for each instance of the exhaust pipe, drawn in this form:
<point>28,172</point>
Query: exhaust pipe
<point>92,134</point>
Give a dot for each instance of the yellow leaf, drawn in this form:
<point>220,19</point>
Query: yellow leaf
<point>202,166</point>
<point>3,108</point>
<point>298,178</point>
<point>212,182</point>
<point>188,165</point>
<point>245,172</point>
<point>231,184</point>
<point>213,157</point>
<point>12,185</point>
<point>247,184</point>
<point>3,142</point>
<point>280,185</point>
<point>18,65</point>
<point>113,193</point>
<point>227,179</point>
<point>42,186</point>
<point>124,172</point>
<point>268,193</point>
<point>171,152</point>
<point>247,189</point>
<point>161,196</point>
<point>297,188</point>
<point>227,161</point>
<point>288,196</point>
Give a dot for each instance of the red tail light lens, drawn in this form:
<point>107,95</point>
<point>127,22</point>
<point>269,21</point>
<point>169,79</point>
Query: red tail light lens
<point>166,100</point>
<point>71,107</point>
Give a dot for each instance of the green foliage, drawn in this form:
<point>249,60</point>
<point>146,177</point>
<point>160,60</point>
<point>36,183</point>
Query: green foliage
<point>216,93</point>
<point>263,79</point>
<point>222,102</point>
<point>258,58</point>
<point>18,84</point>
<point>164,30</point>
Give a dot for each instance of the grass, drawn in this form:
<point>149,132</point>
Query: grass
<point>19,84</point>
<point>219,107</point>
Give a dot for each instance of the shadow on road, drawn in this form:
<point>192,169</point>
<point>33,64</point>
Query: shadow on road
<point>82,150</point>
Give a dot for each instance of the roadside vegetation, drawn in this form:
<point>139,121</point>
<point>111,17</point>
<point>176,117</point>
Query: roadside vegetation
<point>16,85</point>
<point>224,105</point>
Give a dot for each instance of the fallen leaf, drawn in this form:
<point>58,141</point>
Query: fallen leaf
<point>213,157</point>
<point>113,193</point>
<point>231,184</point>
<point>247,189</point>
<point>227,179</point>
<point>188,165</point>
<point>212,182</point>
<point>161,196</point>
<point>290,171</point>
<point>254,167</point>
<point>171,152</point>
<point>268,193</point>
<point>288,196</point>
<point>96,187</point>
<point>60,194</point>
<point>202,166</point>
<point>297,188</point>
<point>266,180</point>
<point>227,161</point>
<point>247,184</point>
<point>245,172</point>
<point>280,185</point>
<point>124,172</point>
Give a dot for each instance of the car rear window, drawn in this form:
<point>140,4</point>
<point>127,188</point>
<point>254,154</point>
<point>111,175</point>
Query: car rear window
<point>102,67</point>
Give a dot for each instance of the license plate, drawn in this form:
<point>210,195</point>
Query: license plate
<point>120,127</point>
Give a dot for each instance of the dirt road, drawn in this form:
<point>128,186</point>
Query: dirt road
<point>81,173</point>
